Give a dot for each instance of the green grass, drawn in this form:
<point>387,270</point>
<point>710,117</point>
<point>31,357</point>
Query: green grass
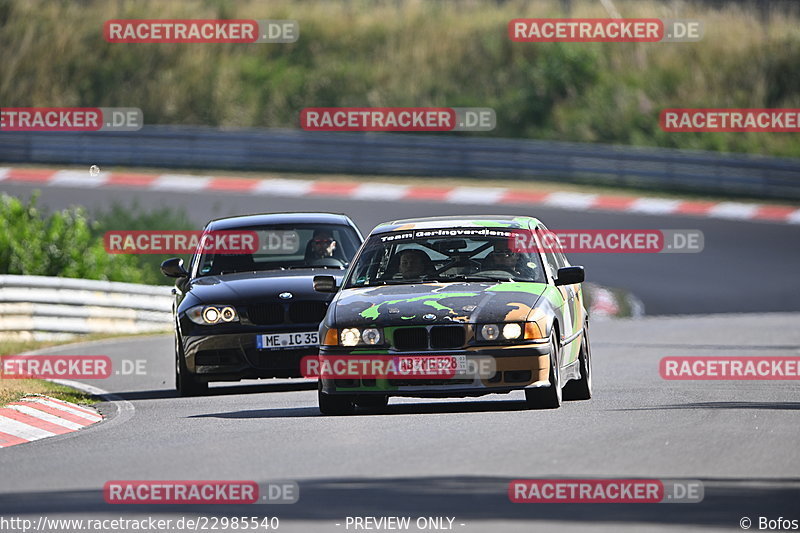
<point>12,390</point>
<point>412,53</point>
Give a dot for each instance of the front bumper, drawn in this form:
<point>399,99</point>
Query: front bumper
<point>516,367</point>
<point>234,356</point>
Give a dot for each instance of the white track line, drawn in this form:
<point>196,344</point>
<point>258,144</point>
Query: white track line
<point>180,182</point>
<point>380,191</point>
<point>475,195</point>
<point>733,210</point>
<point>654,206</point>
<point>75,412</point>
<point>75,178</point>
<point>46,417</point>
<point>21,430</point>
<point>570,200</point>
<point>281,187</point>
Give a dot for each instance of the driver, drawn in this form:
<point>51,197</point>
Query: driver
<point>413,263</point>
<point>322,244</point>
<point>503,258</point>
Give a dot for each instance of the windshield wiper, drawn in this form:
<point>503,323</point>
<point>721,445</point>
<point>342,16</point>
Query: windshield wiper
<point>474,277</point>
<point>295,267</point>
<point>379,282</point>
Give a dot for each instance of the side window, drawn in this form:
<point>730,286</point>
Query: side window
<point>549,254</point>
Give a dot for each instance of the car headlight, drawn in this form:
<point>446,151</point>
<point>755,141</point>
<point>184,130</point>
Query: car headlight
<point>359,337</point>
<point>206,315</point>
<point>501,332</point>
<point>512,331</point>
<point>350,336</point>
<point>371,336</point>
<point>490,332</point>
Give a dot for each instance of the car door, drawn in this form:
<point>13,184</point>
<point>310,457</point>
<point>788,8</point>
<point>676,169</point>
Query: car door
<point>572,313</point>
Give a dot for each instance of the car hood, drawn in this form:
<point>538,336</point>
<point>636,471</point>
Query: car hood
<point>250,287</point>
<point>393,305</point>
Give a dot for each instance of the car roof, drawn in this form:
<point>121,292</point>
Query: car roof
<point>278,218</point>
<point>496,221</point>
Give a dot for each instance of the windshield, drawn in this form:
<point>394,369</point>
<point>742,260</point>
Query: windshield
<point>286,246</point>
<point>405,257</point>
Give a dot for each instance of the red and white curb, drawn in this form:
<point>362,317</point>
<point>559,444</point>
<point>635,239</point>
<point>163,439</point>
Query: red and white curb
<point>38,417</point>
<point>372,191</point>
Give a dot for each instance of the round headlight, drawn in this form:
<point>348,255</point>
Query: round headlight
<point>371,336</point>
<point>512,331</point>
<point>228,313</point>
<point>211,315</point>
<point>350,336</point>
<point>490,332</point>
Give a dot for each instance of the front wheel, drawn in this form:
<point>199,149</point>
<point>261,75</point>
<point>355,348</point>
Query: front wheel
<point>581,389</point>
<point>334,404</point>
<point>185,383</point>
<point>547,397</point>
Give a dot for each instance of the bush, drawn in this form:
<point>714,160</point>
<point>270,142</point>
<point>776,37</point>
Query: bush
<point>60,244</point>
<point>133,218</point>
<point>69,244</point>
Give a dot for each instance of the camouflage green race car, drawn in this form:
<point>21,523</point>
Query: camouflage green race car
<point>450,306</point>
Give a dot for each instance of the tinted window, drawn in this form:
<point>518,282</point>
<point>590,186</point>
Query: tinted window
<point>286,246</point>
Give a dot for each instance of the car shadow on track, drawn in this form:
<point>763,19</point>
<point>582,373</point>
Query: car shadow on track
<point>162,394</point>
<point>397,409</point>
<point>468,499</point>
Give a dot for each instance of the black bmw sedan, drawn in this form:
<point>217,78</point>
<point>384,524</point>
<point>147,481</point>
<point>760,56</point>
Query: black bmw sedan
<point>255,315</point>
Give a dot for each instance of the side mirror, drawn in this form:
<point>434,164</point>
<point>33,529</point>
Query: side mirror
<point>324,284</point>
<point>173,268</point>
<point>570,275</point>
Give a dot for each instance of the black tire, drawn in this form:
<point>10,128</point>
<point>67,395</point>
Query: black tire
<point>185,383</point>
<point>376,402</point>
<point>547,397</point>
<point>334,404</point>
<point>581,389</point>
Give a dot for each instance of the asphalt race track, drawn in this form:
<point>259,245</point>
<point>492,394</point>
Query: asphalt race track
<point>453,457</point>
<point>446,457</point>
<point>745,266</point>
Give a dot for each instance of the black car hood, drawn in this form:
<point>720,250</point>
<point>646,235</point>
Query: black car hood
<point>394,305</point>
<point>251,287</point>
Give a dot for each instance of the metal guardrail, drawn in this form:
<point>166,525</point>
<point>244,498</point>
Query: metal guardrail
<point>40,307</point>
<point>407,154</point>
<point>44,308</point>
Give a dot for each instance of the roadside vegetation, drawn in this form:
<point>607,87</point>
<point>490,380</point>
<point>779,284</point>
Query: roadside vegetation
<point>413,53</point>
<point>13,390</point>
<point>69,243</point>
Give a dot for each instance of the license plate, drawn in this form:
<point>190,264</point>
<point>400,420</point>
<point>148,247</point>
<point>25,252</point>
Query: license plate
<point>282,341</point>
<point>445,364</point>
